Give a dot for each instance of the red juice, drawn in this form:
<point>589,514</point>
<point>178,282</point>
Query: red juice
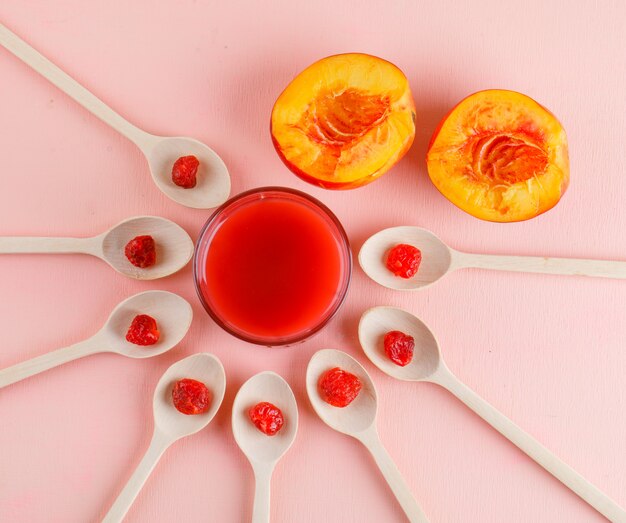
<point>273,265</point>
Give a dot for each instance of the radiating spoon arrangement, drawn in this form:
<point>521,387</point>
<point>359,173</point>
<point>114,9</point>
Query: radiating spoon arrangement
<point>172,313</point>
<point>264,451</point>
<point>213,185</point>
<point>173,244</point>
<point>428,365</point>
<point>359,421</point>
<point>438,259</point>
<point>171,425</point>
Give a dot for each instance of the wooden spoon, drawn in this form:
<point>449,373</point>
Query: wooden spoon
<point>264,451</point>
<point>173,316</point>
<point>428,365</point>
<point>173,244</point>
<point>171,425</point>
<point>438,259</point>
<point>359,421</point>
<point>213,185</point>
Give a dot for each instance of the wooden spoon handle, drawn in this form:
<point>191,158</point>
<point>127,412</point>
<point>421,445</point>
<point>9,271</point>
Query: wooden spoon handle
<point>262,480</point>
<point>125,499</point>
<point>560,470</point>
<point>70,86</point>
<point>567,266</point>
<point>392,475</point>
<point>34,245</point>
<point>29,368</point>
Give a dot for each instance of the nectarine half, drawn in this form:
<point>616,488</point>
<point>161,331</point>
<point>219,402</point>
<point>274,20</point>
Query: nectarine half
<point>344,121</point>
<point>500,156</point>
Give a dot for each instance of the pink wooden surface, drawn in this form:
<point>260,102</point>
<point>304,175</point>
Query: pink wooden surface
<point>548,351</point>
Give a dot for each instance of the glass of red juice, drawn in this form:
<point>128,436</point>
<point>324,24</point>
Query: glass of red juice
<point>272,266</point>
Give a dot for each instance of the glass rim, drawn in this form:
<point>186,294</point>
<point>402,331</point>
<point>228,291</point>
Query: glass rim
<point>344,284</point>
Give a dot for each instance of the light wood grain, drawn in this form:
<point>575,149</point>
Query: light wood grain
<point>173,316</point>
<point>171,425</point>
<point>213,186</point>
<point>428,365</point>
<point>213,70</point>
<point>174,247</point>
<point>438,260</point>
<point>359,421</point>
<point>42,245</point>
<point>264,451</point>
<point>541,265</point>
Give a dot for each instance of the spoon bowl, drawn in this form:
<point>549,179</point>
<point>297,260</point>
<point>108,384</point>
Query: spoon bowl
<point>358,420</point>
<point>258,447</point>
<point>264,451</point>
<point>213,181</point>
<point>357,417</point>
<point>428,365</point>
<point>436,257</point>
<point>171,425</point>
<point>161,152</point>
<point>202,367</point>
<point>378,321</point>
<point>173,245</point>
<point>172,313</point>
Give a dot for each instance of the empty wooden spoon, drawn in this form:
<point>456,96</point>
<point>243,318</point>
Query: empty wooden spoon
<point>173,245</point>
<point>438,259</point>
<point>171,425</point>
<point>359,421</point>
<point>428,365</point>
<point>173,316</point>
<point>213,182</point>
<point>264,451</point>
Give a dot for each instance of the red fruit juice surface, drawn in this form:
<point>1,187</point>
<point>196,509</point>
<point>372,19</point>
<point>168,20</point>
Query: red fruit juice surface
<point>273,268</point>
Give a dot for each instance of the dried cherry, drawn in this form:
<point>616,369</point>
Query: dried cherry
<point>141,251</point>
<point>338,387</point>
<point>399,347</point>
<point>404,260</point>
<point>184,171</point>
<point>267,417</point>
<point>143,330</point>
<point>191,396</point>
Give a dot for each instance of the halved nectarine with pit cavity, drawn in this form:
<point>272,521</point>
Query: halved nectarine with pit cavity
<point>500,156</point>
<point>344,121</point>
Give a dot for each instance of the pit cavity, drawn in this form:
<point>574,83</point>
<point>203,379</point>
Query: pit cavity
<point>503,159</point>
<point>338,119</point>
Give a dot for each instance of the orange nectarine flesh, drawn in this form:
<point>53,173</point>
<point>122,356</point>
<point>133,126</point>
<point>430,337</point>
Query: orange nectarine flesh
<point>344,121</point>
<point>500,156</point>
